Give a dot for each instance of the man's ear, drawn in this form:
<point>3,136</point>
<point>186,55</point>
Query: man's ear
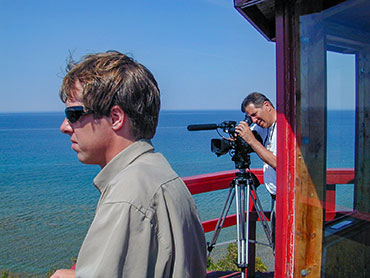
<point>267,105</point>
<point>118,117</point>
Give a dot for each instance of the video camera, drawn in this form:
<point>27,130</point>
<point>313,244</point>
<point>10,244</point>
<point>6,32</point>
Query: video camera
<point>235,145</point>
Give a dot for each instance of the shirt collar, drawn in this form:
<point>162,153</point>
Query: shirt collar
<point>120,162</point>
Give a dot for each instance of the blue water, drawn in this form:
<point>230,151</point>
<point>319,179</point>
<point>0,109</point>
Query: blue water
<point>47,196</point>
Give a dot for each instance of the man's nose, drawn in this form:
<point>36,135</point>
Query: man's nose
<point>65,127</point>
<point>254,119</point>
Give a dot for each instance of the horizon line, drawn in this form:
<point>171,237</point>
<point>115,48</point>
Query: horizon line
<point>162,110</point>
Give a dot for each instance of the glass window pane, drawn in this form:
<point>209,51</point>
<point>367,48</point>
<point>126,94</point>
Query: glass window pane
<point>334,57</point>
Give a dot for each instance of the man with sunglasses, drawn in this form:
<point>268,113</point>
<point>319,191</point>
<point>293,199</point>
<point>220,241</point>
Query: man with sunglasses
<point>146,223</point>
<point>263,114</point>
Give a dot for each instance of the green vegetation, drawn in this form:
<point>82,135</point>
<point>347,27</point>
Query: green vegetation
<point>7,274</point>
<point>229,261</point>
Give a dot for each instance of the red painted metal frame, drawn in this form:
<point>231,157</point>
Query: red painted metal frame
<point>336,176</point>
<point>340,176</point>
<point>286,145</point>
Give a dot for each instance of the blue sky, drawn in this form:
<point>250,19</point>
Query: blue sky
<point>203,53</point>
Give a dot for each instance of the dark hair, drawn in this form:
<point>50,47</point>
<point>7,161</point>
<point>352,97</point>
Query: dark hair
<point>113,78</point>
<point>255,98</point>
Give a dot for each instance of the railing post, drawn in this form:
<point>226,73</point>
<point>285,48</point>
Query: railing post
<point>330,200</point>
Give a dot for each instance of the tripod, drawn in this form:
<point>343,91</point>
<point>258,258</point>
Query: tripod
<point>242,188</point>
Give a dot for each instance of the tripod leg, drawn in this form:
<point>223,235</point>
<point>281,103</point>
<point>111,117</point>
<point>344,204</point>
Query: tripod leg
<point>257,204</point>
<point>242,226</point>
<point>237,203</point>
<point>221,220</point>
<point>246,219</point>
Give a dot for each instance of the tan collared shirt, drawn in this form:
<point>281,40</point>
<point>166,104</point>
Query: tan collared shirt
<point>146,222</point>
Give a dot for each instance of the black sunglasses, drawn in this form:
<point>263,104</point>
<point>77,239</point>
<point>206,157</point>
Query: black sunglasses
<point>74,113</point>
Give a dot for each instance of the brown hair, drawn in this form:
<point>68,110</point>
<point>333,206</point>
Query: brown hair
<point>113,78</point>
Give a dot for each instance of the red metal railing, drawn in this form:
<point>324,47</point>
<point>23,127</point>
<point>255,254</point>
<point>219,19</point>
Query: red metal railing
<point>221,180</point>
<point>217,181</point>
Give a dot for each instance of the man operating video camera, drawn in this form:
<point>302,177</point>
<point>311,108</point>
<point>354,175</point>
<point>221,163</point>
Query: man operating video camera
<point>263,114</point>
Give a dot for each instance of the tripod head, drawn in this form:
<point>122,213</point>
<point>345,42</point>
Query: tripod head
<point>240,157</point>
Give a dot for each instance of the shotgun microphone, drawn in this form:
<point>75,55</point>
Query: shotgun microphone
<point>202,127</point>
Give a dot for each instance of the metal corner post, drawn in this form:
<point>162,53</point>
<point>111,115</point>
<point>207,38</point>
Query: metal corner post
<point>286,150</point>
